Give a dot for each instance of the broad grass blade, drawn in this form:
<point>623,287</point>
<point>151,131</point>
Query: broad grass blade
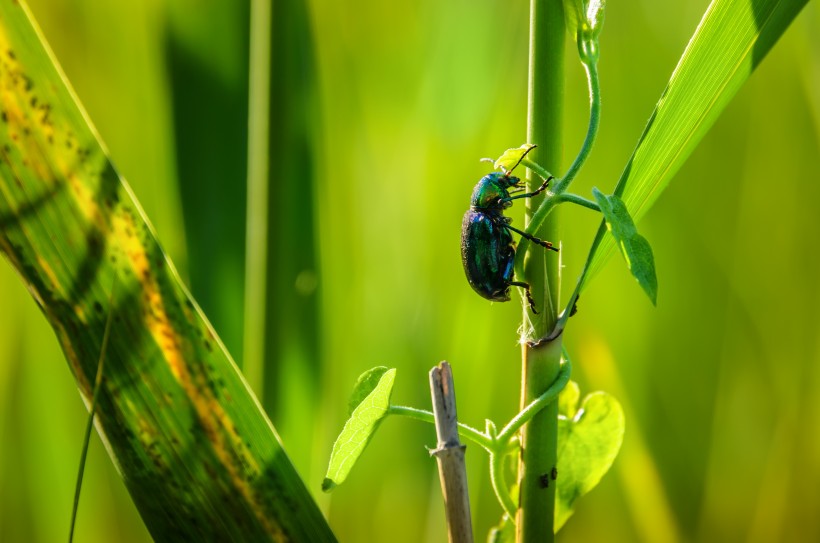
<point>730,42</point>
<point>200,459</point>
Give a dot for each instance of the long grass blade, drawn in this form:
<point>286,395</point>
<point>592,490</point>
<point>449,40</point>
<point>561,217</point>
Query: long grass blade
<point>730,42</point>
<point>197,454</point>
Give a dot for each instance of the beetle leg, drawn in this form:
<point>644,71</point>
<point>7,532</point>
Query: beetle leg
<point>536,192</point>
<point>527,291</point>
<point>541,242</point>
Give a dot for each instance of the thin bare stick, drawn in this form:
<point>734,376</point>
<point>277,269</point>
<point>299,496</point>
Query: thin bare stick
<point>449,452</point>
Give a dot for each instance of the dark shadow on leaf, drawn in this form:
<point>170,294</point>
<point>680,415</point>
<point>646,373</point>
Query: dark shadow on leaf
<point>95,238</point>
<point>771,18</point>
<point>28,209</point>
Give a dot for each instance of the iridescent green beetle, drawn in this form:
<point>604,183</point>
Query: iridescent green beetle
<point>487,247</point>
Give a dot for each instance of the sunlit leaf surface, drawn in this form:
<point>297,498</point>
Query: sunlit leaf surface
<point>588,443</point>
<point>368,406</point>
<point>634,248</point>
<point>730,42</point>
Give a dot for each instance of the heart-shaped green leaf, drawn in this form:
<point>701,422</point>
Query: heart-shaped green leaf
<point>568,400</point>
<point>368,406</point>
<point>588,443</point>
<point>634,247</point>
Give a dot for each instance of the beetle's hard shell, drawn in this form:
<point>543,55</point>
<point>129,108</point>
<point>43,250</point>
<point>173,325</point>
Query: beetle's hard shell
<point>488,255</point>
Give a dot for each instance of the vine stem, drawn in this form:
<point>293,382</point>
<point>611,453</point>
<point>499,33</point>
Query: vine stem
<point>499,445</point>
<point>558,194</point>
<point>591,68</point>
<point>499,482</point>
<point>538,404</point>
<point>465,431</point>
<point>579,200</point>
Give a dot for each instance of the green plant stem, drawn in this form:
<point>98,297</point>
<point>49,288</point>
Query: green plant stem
<point>537,168</point>
<point>591,69</point>
<point>256,244</point>
<point>499,482</point>
<point>549,203</point>
<point>557,194</point>
<point>503,439</point>
<point>465,431</point>
<point>498,445</point>
<point>579,200</point>
<point>540,366</point>
<point>501,442</point>
<point>537,405</point>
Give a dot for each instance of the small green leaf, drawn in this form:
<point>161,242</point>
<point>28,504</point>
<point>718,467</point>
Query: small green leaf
<point>371,396</point>
<point>587,446</point>
<point>512,157</point>
<point>365,384</point>
<point>568,400</point>
<point>633,246</point>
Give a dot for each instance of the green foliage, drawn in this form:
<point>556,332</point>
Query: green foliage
<point>510,158</point>
<point>585,19</point>
<point>589,439</point>
<point>635,249</point>
<point>729,44</point>
<point>568,399</point>
<point>390,95</point>
<point>368,405</point>
<point>179,421</point>
<point>365,384</point>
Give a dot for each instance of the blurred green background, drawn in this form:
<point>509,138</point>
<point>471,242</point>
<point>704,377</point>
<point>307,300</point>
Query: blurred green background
<point>380,115</point>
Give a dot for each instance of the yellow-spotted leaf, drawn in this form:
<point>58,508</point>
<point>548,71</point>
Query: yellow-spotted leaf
<point>199,457</point>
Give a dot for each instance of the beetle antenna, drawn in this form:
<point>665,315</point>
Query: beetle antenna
<point>520,159</point>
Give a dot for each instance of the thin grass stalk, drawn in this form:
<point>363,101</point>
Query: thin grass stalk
<point>256,253</point>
